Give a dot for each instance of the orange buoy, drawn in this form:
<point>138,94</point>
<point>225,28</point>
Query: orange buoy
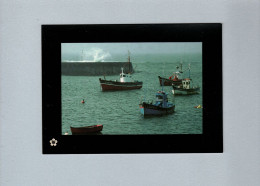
<point>83,101</point>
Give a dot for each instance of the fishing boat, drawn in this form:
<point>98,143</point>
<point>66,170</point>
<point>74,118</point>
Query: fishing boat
<point>185,87</point>
<point>160,107</point>
<point>168,82</point>
<point>173,79</point>
<point>126,82</point>
<point>86,130</point>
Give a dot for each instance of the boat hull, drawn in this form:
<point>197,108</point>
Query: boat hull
<point>181,91</point>
<point>152,110</point>
<point>107,85</point>
<point>169,82</point>
<point>86,130</point>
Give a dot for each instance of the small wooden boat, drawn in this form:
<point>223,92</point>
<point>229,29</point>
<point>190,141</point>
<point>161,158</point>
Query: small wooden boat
<point>86,130</point>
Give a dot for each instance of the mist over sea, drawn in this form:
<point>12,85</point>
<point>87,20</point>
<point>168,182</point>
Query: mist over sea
<point>118,111</point>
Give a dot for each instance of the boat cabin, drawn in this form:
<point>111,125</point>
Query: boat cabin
<point>161,99</point>
<point>125,77</point>
<point>186,83</point>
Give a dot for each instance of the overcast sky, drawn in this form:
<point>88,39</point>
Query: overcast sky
<point>134,48</point>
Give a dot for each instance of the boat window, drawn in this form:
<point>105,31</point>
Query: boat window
<point>123,75</point>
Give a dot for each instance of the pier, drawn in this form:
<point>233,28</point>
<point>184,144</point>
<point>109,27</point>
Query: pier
<point>94,68</point>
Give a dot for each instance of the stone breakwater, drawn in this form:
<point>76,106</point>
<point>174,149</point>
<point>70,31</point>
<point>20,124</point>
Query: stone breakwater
<point>94,68</point>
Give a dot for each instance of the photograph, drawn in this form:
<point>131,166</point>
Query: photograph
<point>131,88</point>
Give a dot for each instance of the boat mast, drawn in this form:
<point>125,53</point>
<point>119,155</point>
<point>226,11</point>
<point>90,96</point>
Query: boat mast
<point>128,61</point>
<point>189,71</point>
<point>162,84</point>
<point>82,55</point>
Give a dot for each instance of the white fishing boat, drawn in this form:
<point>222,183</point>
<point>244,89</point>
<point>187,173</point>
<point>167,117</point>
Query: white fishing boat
<point>186,87</point>
<point>126,82</point>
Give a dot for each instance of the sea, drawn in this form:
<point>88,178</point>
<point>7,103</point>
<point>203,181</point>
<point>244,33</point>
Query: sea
<point>119,112</point>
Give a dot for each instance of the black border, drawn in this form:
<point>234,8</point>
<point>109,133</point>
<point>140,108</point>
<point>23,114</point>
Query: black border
<point>210,34</point>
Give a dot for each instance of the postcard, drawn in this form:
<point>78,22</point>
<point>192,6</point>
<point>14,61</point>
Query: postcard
<point>132,88</point>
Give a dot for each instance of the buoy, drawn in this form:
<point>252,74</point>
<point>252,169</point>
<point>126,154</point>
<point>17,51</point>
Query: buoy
<point>83,101</point>
<point>199,106</point>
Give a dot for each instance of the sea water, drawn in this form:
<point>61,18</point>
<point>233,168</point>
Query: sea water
<point>119,112</point>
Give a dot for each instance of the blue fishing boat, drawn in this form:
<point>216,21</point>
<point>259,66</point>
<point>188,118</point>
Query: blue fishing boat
<point>160,107</point>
